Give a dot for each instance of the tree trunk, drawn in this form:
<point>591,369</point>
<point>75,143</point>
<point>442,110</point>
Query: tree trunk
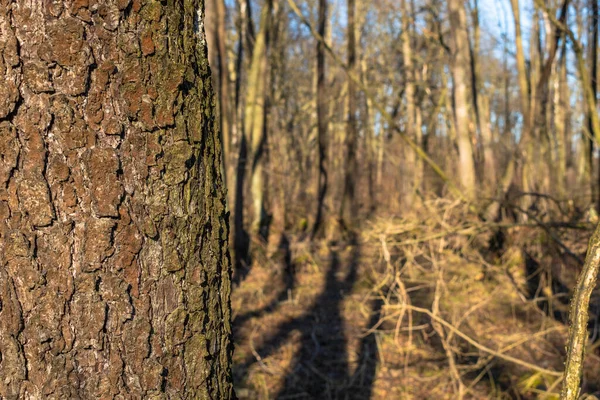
<point>349,206</point>
<point>410,172</point>
<point>217,55</point>
<point>593,46</point>
<point>114,269</point>
<point>521,69</point>
<point>561,104</point>
<point>460,73</point>
<point>255,115</point>
<point>481,104</point>
<point>321,121</point>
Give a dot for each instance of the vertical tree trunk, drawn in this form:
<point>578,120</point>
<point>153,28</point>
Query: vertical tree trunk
<point>410,127</point>
<point>114,269</point>
<point>521,69</point>
<point>481,103</point>
<point>321,120</point>
<point>460,73</point>
<point>532,147</point>
<point>255,115</point>
<point>561,102</point>
<point>370,143</point>
<point>593,46</point>
<point>217,56</point>
<point>349,207</point>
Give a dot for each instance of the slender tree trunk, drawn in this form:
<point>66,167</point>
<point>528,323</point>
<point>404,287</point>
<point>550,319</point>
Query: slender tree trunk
<point>349,207</point>
<point>255,116</point>
<point>239,63</point>
<point>460,73</point>
<point>561,102</point>
<point>321,121</point>
<point>217,56</point>
<point>114,268</point>
<point>521,70</point>
<point>241,239</point>
<point>593,46</point>
<point>481,103</point>
<point>248,26</point>
<point>370,144</point>
<point>410,159</point>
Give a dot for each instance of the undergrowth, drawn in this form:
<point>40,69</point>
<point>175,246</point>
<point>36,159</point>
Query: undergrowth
<point>436,304</point>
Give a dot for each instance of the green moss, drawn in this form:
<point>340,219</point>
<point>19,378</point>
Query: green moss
<point>175,325</point>
<point>151,11</point>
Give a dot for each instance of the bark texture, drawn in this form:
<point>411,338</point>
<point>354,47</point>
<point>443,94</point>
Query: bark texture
<point>114,271</point>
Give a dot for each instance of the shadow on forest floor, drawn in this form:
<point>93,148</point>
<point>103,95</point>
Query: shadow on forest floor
<point>332,322</point>
<point>319,366</point>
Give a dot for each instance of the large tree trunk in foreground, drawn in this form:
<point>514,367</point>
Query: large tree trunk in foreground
<point>114,271</point>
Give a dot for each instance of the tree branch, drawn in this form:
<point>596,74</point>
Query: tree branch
<point>578,320</point>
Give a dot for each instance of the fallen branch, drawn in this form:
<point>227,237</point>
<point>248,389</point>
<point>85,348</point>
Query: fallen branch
<point>483,348</point>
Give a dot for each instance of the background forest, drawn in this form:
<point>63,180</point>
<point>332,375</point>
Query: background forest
<point>412,185</point>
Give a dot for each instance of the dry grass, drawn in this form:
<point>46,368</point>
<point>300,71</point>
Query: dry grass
<point>421,307</point>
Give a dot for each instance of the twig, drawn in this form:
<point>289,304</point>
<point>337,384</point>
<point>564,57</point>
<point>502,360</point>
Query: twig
<point>445,339</point>
<point>481,347</point>
<point>549,231</point>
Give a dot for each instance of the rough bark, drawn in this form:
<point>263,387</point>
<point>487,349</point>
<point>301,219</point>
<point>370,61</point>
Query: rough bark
<point>114,270</point>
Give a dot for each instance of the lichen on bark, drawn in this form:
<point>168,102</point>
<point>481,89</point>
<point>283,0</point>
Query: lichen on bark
<point>114,269</point>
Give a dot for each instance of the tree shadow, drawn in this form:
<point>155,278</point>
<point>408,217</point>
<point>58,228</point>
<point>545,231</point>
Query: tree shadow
<point>364,377</point>
<point>321,368</point>
<point>283,261</point>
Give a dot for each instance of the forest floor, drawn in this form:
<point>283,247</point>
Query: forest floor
<point>435,307</point>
